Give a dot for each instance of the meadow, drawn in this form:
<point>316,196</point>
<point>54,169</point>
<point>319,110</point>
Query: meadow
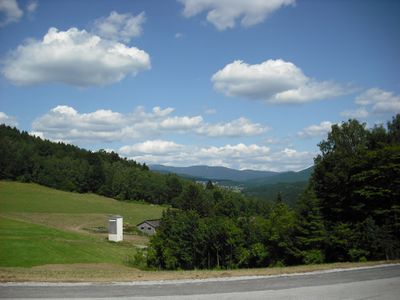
<point>40,226</point>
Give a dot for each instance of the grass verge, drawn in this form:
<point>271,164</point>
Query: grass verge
<point>113,272</point>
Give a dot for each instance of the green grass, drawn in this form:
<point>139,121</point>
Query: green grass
<point>40,225</point>
<point>16,197</point>
<point>25,245</point>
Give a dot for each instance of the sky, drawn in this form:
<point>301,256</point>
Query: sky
<point>253,84</point>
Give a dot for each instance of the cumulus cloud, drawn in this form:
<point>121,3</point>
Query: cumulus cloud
<point>276,81</point>
<point>235,128</point>
<point>316,130</point>
<point>379,101</point>
<point>73,57</point>
<point>67,124</point>
<point>223,14</point>
<point>9,12</point>
<point>238,156</point>
<point>8,120</point>
<point>121,27</point>
<point>155,147</point>
<point>181,123</point>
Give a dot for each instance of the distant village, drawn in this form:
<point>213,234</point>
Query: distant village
<point>233,188</point>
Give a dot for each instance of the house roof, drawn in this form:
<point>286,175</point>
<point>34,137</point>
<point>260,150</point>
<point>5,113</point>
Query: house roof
<point>155,223</point>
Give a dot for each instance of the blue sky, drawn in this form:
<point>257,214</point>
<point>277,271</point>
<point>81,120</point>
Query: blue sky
<point>243,84</point>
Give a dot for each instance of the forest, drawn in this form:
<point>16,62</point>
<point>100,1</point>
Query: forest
<point>349,210</point>
<point>66,167</point>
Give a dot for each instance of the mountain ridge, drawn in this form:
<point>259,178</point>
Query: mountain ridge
<point>224,173</point>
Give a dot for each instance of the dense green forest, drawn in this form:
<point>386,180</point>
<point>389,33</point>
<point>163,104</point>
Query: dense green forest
<point>30,159</point>
<point>290,191</point>
<point>349,210</point>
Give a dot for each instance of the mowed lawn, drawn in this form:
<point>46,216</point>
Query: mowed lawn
<point>25,244</point>
<point>40,225</point>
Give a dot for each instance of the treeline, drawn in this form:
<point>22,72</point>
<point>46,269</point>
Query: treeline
<point>349,212</point>
<point>66,167</point>
<point>62,166</point>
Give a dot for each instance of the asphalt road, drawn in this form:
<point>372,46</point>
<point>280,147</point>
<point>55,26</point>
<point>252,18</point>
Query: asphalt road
<point>366,283</point>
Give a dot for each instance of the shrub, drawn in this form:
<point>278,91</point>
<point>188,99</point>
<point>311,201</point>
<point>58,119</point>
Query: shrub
<point>313,257</point>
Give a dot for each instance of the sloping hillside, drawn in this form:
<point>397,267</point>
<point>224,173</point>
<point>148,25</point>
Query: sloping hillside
<point>40,225</point>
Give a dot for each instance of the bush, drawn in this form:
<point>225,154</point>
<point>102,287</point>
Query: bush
<point>313,257</point>
<point>278,264</point>
<point>358,254</point>
<point>138,260</point>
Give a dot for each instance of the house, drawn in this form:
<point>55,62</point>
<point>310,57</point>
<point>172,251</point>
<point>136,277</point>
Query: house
<point>148,226</point>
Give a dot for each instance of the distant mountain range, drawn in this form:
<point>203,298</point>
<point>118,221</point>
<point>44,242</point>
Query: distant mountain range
<point>251,177</point>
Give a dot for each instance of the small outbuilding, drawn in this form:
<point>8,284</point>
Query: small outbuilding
<point>115,229</point>
<point>149,226</point>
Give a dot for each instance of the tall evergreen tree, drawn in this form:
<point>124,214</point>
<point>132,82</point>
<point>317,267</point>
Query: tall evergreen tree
<point>310,234</point>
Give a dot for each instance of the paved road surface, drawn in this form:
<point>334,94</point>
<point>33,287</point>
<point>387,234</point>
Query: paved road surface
<point>366,283</point>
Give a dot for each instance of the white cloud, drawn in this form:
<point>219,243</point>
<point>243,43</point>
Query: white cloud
<point>359,113</point>
<point>32,6</point>
<point>236,128</point>
<point>316,130</point>
<point>182,123</point>
<point>121,27</point>
<point>67,124</point>
<point>380,101</point>
<point>155,147</point>
<point>8,120</point>
<point>239,156</point>
<point>73,57</point>
<point>275,81</point>
<point>9,12</point>
<point>223,14</point>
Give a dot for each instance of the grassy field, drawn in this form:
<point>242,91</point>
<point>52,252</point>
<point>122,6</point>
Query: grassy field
<point>40,226</point>
<point>44,237</point>
<point>25,245</point>
<point>18,197</point>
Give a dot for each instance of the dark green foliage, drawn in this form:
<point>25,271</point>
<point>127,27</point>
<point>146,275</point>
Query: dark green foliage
<point>357,182</point>
<point>348,212</point>
<point>175,245</point>
<point>310,233</point>
<point>66,167</point>
<point>290,191</point>
<point>209,185</point>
